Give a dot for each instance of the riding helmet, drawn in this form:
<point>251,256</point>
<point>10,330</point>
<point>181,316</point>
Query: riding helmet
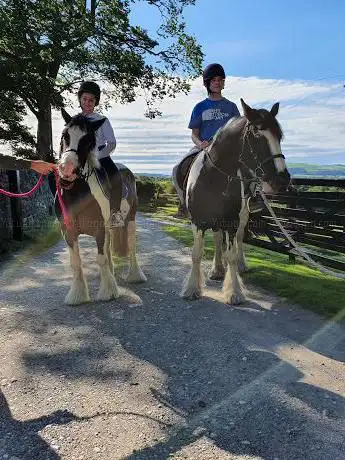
<point>90,87</point>
<point>211,71</point>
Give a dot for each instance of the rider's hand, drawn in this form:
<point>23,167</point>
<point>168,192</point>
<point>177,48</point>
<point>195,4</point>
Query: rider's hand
<point>42,167</point>
<point>204,144</point>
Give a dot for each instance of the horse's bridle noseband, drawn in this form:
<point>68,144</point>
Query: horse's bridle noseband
<point>78,171</point>
<point>251,128</point>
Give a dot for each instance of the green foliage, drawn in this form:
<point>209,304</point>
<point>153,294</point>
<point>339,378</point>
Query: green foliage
<point>12,129</point>
<point>47,47</point>
<point>148,189</point>
<point>154,191</point>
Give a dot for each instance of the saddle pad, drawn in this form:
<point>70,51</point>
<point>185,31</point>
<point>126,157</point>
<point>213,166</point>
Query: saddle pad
<point>103,181</point>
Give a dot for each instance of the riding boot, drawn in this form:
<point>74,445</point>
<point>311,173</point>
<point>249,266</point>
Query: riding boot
<point>116,218</point>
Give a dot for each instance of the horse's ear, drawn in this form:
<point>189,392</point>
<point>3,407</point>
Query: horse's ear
<point>249,113</point>
<point>275,109</point>
<point>94,125</point>
<point>66,116</point>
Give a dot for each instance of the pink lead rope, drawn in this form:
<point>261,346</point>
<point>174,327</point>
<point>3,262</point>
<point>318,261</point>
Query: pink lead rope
<point>65,215</point>
<point>22,195</point>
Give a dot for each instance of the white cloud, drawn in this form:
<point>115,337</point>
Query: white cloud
<point>311,114</point>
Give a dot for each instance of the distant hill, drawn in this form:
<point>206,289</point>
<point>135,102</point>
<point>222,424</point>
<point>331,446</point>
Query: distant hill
<point>296,170</point>
<point>310,170</point>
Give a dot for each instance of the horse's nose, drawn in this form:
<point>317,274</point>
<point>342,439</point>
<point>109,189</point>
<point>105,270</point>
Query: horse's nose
<point>66,169</point>
<point>284,176</point>
<point>284,179</point>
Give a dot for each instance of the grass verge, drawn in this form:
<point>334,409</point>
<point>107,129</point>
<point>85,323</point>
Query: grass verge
<point>295,282</point>
<point>35,242</point>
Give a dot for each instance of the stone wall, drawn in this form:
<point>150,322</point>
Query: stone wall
<point>34,210</point>
<point>5,210</point>
<point>38,206</point>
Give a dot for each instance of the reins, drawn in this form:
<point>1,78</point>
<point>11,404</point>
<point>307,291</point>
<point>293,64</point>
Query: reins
<point>256,186</point>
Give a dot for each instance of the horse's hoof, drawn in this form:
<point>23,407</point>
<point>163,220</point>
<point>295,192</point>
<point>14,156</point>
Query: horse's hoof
<point>78,294</point>
<point>105,297</point>
<point>191,295</point>
<point>73,300</point>
<point>136,277</point>
<point>218,276</point>
<point>236,299</point>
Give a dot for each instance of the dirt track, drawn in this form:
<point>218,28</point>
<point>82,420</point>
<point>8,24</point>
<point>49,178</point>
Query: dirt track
<point>152,376</point>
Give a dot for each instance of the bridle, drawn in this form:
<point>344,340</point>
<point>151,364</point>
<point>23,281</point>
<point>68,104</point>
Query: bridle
<point>259,172</point>
<point>256,177</point>
<point>78,171</point>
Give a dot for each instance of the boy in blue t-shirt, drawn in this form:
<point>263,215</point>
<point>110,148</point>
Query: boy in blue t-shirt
<point>212,113</point>
<point>207,117</point>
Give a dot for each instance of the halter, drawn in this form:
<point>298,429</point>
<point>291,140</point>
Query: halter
<point>79,171</point>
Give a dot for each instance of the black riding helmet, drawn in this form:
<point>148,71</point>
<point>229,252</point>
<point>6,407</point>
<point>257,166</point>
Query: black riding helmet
<point>90,87</point>
<point>211,71</point>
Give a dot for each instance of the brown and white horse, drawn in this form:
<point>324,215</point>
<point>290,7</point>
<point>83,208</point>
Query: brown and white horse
<point>86,198</point>
<point>246,151</point>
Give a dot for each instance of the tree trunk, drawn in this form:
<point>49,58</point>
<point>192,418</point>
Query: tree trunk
<point>16,206</point>
<point>93,13</point>
<point>44,134</point>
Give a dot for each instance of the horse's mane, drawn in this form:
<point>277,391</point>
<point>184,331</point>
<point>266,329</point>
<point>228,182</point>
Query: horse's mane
<point>232,127</point>
<point>79,120</point>
<point>229,125</point>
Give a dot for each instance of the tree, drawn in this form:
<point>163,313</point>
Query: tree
<point>47,47</point>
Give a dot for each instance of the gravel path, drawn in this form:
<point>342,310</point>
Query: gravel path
<point>151,376</point>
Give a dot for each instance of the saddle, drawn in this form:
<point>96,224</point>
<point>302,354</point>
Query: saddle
<point>183,169</point>
<point>105,183</point>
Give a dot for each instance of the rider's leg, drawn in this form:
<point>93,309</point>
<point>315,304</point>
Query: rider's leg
<point>116,219</point>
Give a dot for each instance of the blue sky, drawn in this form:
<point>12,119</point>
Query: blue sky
<point>267,38</point>
<point>271,50</point>
<point>291,52</point>
<point>272,38</point>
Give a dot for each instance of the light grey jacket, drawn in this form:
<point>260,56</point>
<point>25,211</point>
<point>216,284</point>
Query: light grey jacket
<point>105,137</point>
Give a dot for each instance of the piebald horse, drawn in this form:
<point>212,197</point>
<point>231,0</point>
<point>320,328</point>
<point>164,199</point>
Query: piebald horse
<point>244,153</point>
<point>85,191</point>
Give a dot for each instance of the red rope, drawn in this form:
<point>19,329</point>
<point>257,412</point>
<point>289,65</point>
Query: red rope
<point>25,194</point>
<point>66,218</point>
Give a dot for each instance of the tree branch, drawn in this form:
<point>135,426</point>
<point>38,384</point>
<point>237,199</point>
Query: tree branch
<point>28,103</point>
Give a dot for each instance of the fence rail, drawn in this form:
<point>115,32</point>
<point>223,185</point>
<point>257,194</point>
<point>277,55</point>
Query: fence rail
<point>315,219</point>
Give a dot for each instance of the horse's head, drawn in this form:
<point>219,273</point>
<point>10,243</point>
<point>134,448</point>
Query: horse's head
<point>78,142</point>
<point>265,157</point>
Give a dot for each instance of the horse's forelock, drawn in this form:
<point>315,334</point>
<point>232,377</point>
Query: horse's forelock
<point>270,122</point>
<point>80,121</point>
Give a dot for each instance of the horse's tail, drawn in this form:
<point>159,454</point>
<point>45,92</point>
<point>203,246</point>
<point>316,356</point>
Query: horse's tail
<point>120,241</point>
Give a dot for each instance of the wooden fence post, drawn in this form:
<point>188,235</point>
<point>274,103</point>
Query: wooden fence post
<point>16,206</point>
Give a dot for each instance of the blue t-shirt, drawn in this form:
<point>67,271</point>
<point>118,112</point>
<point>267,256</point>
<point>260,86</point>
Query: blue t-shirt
<point>208,116</point>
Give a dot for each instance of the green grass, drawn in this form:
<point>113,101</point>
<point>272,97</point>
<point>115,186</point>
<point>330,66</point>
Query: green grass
<point>295,282</point>
<point>35,242</point>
